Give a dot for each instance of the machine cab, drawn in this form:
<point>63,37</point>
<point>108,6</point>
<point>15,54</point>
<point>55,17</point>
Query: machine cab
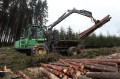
<point>35,32</point>
<point>31,36</point>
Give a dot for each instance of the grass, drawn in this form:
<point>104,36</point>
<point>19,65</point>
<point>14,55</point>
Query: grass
<point>12,59</point>
<point>92,53</point>
<point>16,60</point>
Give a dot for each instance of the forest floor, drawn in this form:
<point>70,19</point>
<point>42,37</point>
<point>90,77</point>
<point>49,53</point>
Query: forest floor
<point>16,61</point>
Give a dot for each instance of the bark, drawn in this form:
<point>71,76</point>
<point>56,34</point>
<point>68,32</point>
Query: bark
<point>50,75</point>
<point>103,75</point>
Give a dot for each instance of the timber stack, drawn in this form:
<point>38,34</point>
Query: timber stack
<point>83,69</point>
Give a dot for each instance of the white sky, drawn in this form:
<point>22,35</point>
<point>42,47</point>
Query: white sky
<point>99,9</point>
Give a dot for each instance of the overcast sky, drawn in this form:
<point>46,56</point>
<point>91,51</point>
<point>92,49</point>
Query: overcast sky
<point>99,9</point>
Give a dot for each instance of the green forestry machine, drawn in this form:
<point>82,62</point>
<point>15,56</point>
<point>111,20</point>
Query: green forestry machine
<point>41,40</point>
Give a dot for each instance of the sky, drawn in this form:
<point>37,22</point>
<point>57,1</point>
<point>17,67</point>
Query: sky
<point>79,23</point>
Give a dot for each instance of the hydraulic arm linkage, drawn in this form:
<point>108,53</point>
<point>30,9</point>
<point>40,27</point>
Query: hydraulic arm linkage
<point>69,12</point>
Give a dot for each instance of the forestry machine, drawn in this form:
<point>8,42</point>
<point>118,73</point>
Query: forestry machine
<point>41,41</point>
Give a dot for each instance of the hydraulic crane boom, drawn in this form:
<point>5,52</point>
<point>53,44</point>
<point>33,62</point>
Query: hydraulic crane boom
<point>61,18</point>
<point>69,12</point>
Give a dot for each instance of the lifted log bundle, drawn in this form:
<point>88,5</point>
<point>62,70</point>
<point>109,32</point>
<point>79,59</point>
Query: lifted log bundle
<point>84,68</point>
<point>98,24</point>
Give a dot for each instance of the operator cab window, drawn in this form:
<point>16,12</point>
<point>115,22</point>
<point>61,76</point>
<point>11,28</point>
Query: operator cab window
<point>34,34</point>
<point>37,32</point>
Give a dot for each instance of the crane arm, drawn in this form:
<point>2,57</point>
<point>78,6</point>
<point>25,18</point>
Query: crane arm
<point>69,12</point>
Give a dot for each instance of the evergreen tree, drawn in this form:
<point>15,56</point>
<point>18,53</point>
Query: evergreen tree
<point>15,15</point>
<point>69,33</point>
<point>62,33</point>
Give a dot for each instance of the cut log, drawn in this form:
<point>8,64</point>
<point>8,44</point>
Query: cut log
<point>103,75</point>
<point>50,75</point>
<point>99,68</point>
<point>23,75</point>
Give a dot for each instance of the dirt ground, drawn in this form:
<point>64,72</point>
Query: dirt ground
<point>16,61</point>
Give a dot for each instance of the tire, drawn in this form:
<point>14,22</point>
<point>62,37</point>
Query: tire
<point>39,50</point>
<point>72,51</point>
<point>81,48</point>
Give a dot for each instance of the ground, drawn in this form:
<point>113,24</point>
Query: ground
<point>15,60</point>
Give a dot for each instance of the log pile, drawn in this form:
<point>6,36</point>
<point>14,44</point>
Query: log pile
<point>83,69</point>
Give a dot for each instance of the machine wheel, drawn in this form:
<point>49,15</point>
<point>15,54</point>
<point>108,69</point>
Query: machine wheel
<point>81,49</point>
<point>72,51</point>
<point>39,50</point>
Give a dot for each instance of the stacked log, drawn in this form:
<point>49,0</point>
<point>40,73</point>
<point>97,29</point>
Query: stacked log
<point>84,68</point>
